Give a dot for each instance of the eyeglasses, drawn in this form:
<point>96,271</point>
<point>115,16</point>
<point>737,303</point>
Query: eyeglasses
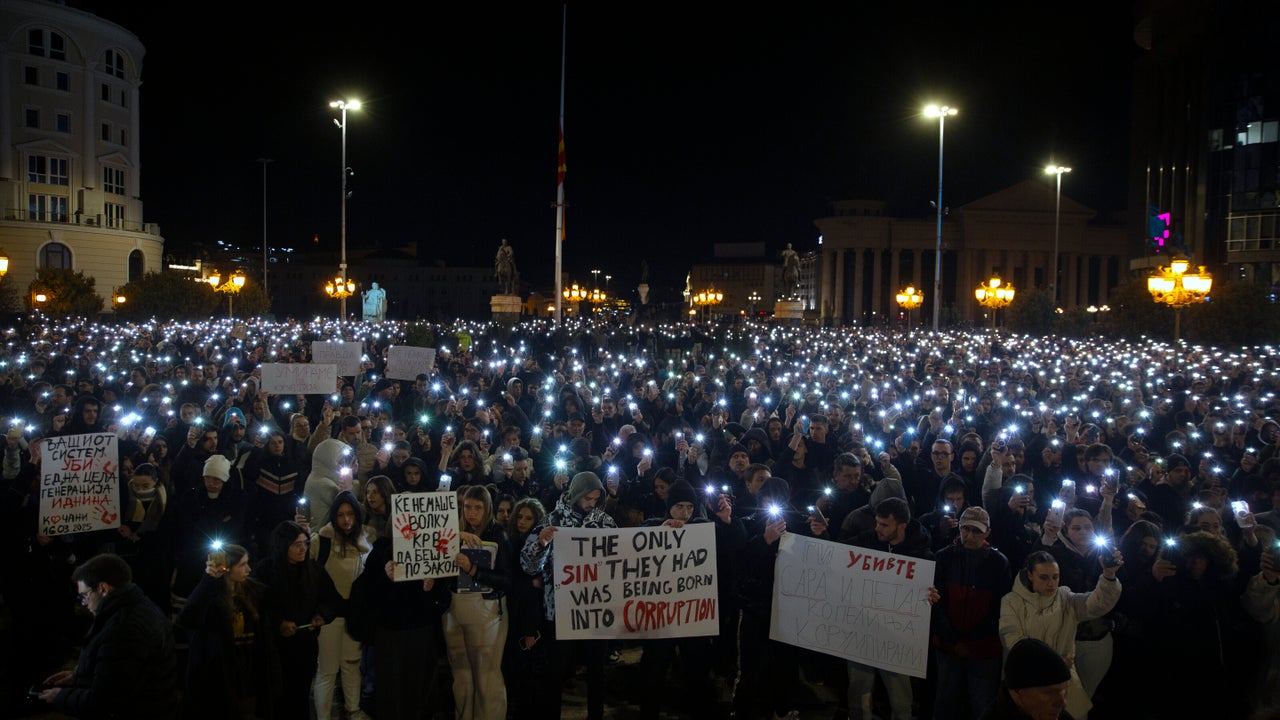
<point>84,596</point>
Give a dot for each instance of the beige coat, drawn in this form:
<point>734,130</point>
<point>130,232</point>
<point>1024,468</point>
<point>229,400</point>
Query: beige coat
<point>1025,614</point>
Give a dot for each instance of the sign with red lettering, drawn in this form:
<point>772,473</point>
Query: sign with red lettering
<point>864,605</point>
<point>79,484</point>
<point>425,538</point>
<point>647,582</point>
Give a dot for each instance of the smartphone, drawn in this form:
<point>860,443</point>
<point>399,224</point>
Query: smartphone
<point>1240,509</point>
<point>1068,489</point>
<point>1171,551</point>
<point>1056,510</point>
<point>813,510</point>
<point>1108,556</point>
<point>446,482</point>
<point>218,556</point>
<point>1019,489</point>
<point>804,425</point>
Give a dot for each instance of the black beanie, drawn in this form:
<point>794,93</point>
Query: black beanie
<point>1032,663</point>
<point>681,491</point>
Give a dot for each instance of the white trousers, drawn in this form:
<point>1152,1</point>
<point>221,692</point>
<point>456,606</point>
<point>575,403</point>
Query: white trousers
<point>475,633</point>
<point>338,654</point>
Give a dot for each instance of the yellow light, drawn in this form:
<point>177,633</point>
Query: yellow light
<point>1179,265</point>
<point>934,111</point>
<point>994,281</point>
<point>41,297</point>
<point>238,281</point>
<point>4,263</point>
<point>214,279</point>
<point>1197,283</point>
<point>120,299</point>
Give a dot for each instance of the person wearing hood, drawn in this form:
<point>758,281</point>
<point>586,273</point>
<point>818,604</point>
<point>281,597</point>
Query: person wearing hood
<point>580,506</point>
<point>273,488</point>
<point>863,519</point>
<point>1038,607</point>
<point>331,473</point>
<point>339,549</point>
<point>971,576</point>
<point>686,506</point>
<point>214,511</point>
<point>897,533</point>
<point>756,441</point>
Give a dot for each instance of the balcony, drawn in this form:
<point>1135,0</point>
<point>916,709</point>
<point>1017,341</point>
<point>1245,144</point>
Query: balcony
<point>85,220</point>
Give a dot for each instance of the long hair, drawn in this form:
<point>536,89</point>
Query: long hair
<point>346,497</point>
<point>534,506</point>
<point>480,493</point>
<point>1131,542</point>
<point>239,595</point>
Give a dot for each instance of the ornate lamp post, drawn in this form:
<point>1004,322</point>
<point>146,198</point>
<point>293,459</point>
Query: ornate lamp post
<point>706,300</point>
<point>909,299</point>
<point>230,287</point>
<point>340,288</point>
<point>994,294</point>
<point>1177,288</point>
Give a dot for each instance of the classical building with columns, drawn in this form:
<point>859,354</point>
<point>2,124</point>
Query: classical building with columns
<point>70,169</point>
<point>868,257</point>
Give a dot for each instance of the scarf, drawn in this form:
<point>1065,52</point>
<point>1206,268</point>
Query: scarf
<point>147,508</point>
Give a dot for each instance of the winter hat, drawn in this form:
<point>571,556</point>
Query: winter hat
<point>680,492</point>
<point>233,414</point>
<point>580,447</point>
<point>736,448</point>
<point>382,384</point>
<point>887,487</point>
<point>1175,461</point>
<point>511,383</point>
<point>1032,663</point>
<point>581,484</point>
<point>774,488</point>
<point>975,517</point>
<point>217,466</point>
<point>146,469</point>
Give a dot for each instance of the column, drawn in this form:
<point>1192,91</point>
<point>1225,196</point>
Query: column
<point>825,292</point>
<point>859,272</point>
<point>916,269</point>
<point>837,311</point>
<point>877,279</point>
<point>895,275</point>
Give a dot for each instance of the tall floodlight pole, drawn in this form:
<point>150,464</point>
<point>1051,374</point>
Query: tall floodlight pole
<point>264,162</point>
<point>941,112</point>
<point>560,169</point>
<point>343,105</point>
<point>1057,211</point>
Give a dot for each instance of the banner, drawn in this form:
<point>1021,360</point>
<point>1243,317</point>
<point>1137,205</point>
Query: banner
<point>425,538</point>
<point>345,356</point>
<point>79,484</point>
<point>863,605</point>
<point>298,378</point>
<point>650,582</point>
<point>406,362</point>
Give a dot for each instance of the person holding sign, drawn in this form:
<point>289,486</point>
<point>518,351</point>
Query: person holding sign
<point>579,506</point>
<point>475,626</point>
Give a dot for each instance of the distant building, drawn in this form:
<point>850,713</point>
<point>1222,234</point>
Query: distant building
<point>69,147</point>
<point>750,278</point>
<point>867,257</point>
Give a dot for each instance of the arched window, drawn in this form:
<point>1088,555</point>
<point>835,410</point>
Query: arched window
<point>137,265</point>
<point>55,256</point>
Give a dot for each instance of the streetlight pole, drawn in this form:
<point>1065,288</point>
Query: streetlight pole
<point>941,112</point>
<point>343,105</point>
<point>1057,211</point>
<point>264,162</point>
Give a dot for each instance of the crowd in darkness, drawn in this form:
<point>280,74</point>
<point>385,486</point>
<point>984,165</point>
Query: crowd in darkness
<point>1115,501</point>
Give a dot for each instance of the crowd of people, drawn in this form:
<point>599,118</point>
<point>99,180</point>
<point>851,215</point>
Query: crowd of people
<point>1103,512</point>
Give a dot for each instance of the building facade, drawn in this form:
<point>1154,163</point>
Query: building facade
<point>868,257</point>
<point>70,170</point>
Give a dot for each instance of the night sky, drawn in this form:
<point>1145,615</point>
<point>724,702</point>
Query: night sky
<point>683,127</point>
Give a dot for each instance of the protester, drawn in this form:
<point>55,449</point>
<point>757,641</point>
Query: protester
<point>339,549</point>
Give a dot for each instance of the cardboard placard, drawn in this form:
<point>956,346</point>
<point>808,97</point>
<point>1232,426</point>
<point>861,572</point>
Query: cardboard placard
<point>79,484</point>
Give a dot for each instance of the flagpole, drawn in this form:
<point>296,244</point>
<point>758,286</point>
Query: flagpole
<point>560,175</point>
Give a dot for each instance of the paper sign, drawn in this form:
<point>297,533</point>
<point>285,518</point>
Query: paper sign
<point>863,605</point>
<point>406,362</point>
<point>425,539</point>
<point>650,582</point>
<point>298,378</point>
<point>79,484</point>
<point>343,355</point>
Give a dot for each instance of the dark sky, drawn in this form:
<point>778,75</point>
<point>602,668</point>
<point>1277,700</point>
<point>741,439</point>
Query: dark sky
<point>683,127</point>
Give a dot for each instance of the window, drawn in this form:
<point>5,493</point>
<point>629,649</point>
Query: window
<point>31,76</point>
<point>124,98</point>
<point>33,118</point>
<point>113,180</point>
<point>35,43</point>
<point>47,208</point>
<point>114,213</point>
<point>106,92</point>
<point>55,256</point>
<point>63,81</point>
<point>63,122</point>
<point>57,47</point>
<point>106,132</point>
<point>48,170</point>
<point>40,41</point>
<point>124,136</point>
<point>137,265</point>
<point>114,63</point>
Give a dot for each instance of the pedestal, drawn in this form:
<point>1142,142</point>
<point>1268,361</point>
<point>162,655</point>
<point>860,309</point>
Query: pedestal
<point>788,312</point>
<point>506,308</point>
<point>643,290</point>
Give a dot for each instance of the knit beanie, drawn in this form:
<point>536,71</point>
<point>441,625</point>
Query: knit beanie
<point>680,492</point>
<point>581,484</point>
<point>1032,663</point>
<point>218,466</point>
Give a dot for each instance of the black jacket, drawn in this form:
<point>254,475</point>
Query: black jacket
<point>127,668</point>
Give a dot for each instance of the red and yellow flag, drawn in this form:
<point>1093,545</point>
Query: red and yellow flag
<point>560,157</point>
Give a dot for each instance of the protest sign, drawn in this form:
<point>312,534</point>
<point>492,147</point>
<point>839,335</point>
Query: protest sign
<point>343,355</point>
<point>79,484</point>
<point>298,378</point>
<point>425,539</point>
<point>405,362</point>
<point>650,582</point>
<point>863,605</point>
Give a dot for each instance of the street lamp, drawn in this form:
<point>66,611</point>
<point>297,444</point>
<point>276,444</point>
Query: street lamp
<point>4,263</point>
<point>343,105</point>
<point>941,112</point>
<point>1056,170</point>
<point>1175,287</point>
<point>340,288</point>
<point>994,294</point>
<point>910,299</point>
<point>575,293</point>
<point>707,299</point>
<point>753,298</point>
<point>230,287</point>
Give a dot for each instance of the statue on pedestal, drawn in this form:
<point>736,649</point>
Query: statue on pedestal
<point>504,266</point>
<point>375,303</point>
<point>790,270</point>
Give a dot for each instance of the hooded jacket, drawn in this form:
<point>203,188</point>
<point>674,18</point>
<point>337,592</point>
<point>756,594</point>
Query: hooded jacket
<point>535,557</point>
<point>326,479</point>
<point>1023,613</point>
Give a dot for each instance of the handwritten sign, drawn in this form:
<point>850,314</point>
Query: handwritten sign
<point>298,378</point>
<point>343,355</point>
<point>862,605</point>
<point>650,582</point>
<point>425,542</point>
<point>405,362</point>
<point>79,484</point>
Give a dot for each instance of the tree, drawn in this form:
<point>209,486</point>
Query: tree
<point>1238,312</point>
<point>1134,314</point>
<point>70,294</point>
<point>169,294</point>
<point>1032,312</point>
